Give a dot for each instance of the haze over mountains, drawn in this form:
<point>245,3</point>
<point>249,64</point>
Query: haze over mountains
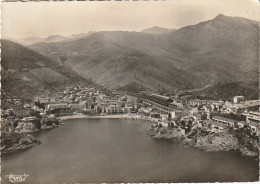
<point>223,49</point>
<point>52,38</point>
<point>158,30</point>
<point>26,73</point>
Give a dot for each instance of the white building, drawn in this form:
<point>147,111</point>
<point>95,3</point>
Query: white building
<point>176,114</point>
<point>42,100</point>
<point>164,117</point>
<point>164,124</point>
<point>57,106</point>
<point>238,99</point>
<point>113,109</point>
<point>76,106</point>
<point>201,102</point>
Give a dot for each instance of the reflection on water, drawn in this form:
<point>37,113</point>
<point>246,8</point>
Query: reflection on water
<point>116,150</point>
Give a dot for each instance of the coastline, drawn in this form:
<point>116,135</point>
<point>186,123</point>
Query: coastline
<point>217,142</point>
<point>208,141</point>
<point>114,116</point>
<point>17,141</point>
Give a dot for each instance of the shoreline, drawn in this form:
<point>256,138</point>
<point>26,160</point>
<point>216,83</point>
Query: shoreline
<point>114,116</point>
<point>68,117</point>
<point>165,133</point>
<point>224,141</point>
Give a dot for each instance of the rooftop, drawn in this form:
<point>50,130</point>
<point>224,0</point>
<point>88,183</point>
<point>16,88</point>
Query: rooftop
<point>223,119</point>
<point>257,113</point>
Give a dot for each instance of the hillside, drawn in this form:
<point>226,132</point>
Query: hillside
<point>26,73</point>
<point>29,41</point>
<point>224,49</point>
<point>226,91</point>
<point>116,59</point>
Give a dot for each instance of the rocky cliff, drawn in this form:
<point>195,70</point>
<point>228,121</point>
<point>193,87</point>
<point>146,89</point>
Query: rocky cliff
<point>11,141</point>
<point>224,140</point>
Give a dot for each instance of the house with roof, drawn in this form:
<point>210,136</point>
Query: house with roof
<point>255,128</point>
<point>229,122</point>
<point>238,99</point>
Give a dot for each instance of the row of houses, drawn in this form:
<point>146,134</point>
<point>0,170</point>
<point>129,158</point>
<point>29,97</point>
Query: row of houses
<point>253,117</point>
<point>255,127</point>
<point>155,112</point>
<point>198,102</point>
<point>193,102</point>
<point>116,109</point>
<point>100,103</point>
<point>65,106</point>
<point>241,106</point>
<point>225,107</point>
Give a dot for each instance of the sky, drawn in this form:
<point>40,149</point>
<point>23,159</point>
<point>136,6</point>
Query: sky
<point>42,19</point>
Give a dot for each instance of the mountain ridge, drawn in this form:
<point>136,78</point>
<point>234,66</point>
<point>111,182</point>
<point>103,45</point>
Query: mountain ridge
<point>157,30</point>
<point>51,39</point>
<point>223,49</point>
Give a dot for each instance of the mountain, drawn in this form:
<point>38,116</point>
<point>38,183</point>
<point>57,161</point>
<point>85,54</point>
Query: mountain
<point>116,59</point>
<point>35,40</point>
<point>224,49</point>
<point>26,73</point>
<point>29,41</point>
<point>78,36</point>
<point>157,30</point>
<point>221,49</point>
<point>52,38</point>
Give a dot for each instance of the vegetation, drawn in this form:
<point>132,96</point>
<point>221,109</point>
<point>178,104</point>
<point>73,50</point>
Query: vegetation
<point>226,91</point>
<point>27,73</point>
<point>237,117</point>
<point>40,105</point>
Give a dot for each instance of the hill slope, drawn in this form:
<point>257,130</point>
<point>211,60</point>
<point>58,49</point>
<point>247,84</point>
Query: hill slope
<point>226,91</point>
<point>115,59</point>
<point>26,73</point>
<point>224,49</point>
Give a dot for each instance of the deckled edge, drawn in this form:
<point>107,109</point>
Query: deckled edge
<point>1,1</point>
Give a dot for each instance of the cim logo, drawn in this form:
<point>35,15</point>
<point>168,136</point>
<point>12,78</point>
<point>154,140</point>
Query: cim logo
<point>16,178</point>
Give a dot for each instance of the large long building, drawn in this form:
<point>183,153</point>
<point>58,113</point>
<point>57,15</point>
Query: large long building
<point>57,106</point>
<point>160,102</point>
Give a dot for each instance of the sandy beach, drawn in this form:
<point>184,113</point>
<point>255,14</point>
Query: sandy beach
<point>113,116</point>
<point>79,116</point>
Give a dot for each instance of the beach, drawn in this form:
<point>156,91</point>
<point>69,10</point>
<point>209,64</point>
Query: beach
<point>113,116</point>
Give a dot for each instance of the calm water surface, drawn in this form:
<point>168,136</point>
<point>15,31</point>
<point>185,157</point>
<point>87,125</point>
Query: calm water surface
<point>116,150</point>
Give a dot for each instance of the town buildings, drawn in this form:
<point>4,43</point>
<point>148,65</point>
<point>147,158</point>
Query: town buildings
<point>198,102</point>
<point>238,99</point>
<point>154,107</point>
